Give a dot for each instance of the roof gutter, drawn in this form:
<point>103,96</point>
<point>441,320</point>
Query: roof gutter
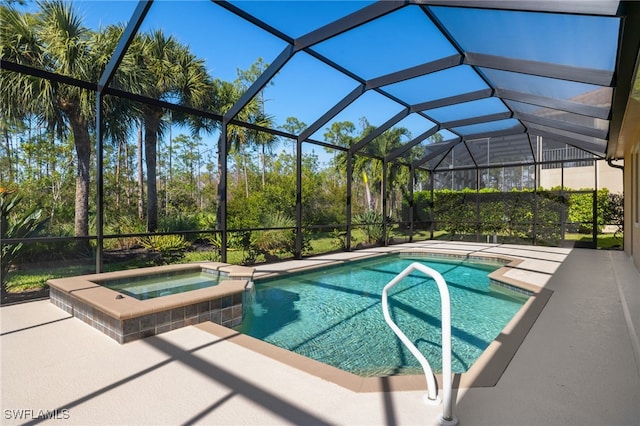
<point>615,166</point>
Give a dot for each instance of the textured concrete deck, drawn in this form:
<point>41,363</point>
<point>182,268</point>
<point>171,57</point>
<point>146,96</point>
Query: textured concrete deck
<point>579,364</point>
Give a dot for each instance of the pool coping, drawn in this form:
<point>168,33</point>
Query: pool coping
<point>87,288</point>
<point>125,318</point>
<point>486,371</point>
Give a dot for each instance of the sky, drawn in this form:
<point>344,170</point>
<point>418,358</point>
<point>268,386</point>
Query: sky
<point>306,87</point>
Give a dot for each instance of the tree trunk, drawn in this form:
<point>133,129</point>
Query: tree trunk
<point>127,173</point>
<point>140,176</point>
<point>118,171</point>
<point>169,174</point>
<point>264,166</point>
<point>221,187</point>
<point>246,175</point>
<point>151,125</point>
<point>7,142</point>
<point>82,140</point>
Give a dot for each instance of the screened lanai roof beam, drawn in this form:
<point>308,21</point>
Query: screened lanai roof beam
<point>533,127</point>
<point>327,145</point>
<point>379,130</point>
<point>475,163</point>
<point>406,147</point>
<point>355,77</point>
<point>195,112</point>
<point>533,153</point>
<point>458,99</point>
<point>607,7</point>
<point>255,21</point>
<point>123,44</point>
<point>355,19</point>
<point>360,80</point>
<point>543,69</point>
<point>593,148</point>
<point>444,148</point>
<point>345,102</point>
<point>563,125</point>
<point>40,73</point>
<point>166,105</point>
<point>495,134</point>
<point>478,120</point>
<point>559,104</point>
<point>260,82</point>
<point>417,71</point>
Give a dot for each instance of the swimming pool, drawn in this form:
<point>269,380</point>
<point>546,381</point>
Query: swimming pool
<point>334,315</point>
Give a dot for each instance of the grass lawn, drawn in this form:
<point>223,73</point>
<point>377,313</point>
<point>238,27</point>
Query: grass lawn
<point>605,241</point>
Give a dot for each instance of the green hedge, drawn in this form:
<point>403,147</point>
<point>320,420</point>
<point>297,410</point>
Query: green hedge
<point>511,214</point>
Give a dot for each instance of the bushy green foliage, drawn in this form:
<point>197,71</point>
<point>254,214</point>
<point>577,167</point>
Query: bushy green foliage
<point>15,226</point>
<point>180,222</point>
<point>512,213</point>
<point>581,210</point>
<point>273,243</point>
<point>125,225</point>
<point>339,237</point>
<point>614,214</point>
<point>455,211</point>
<point>371,224</point>
<point>171,248</point>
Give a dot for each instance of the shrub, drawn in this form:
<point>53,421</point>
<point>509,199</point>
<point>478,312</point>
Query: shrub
<point>124,225</point>
<point>614,213</point>
<point>339,239</point>
<point>372,226</point>
<point>180,222</point>
<point>274,242</point>
<point>580,210</point>
<point>455,211</point>
<point>170,247</point>
<point>15,226</point>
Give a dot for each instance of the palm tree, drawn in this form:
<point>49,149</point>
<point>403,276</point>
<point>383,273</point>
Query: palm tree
<point>54,39</point>
<point>295,127</point>
<point>380,146</point>
<point>171,73</point>
<point>121,117</point>
<point>266,141</point>
<point>255,113</point>
<point>238,137</point>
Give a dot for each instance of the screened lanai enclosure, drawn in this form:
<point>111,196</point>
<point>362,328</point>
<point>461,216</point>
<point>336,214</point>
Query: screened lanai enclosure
<point>250,131</point>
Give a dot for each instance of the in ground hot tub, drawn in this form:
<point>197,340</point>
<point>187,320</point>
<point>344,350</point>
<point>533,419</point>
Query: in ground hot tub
<point>130,305</point>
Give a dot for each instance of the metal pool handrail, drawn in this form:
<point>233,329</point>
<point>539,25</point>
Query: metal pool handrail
<point>447,417</point>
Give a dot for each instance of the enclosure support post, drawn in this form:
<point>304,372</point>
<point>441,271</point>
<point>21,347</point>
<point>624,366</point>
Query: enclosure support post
<point>535,208</point>
<point>349,194</point>
<point>431,206</point>
<point>563,206</point>
<point>412,206</point>
<point>478,229</point>
<point>385,228</point>
<point>99,186</point>
<point>105,78</point>
<point>298,254</point>
<point>222,208</point>
<point>595,205</point>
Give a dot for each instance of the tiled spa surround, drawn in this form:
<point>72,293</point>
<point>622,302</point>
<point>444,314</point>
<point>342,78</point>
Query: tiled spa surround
<point>125,319</point>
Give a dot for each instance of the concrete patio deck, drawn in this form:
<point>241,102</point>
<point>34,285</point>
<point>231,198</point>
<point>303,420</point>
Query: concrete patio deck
<point>578,365</point>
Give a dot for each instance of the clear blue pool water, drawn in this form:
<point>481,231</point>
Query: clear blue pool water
<point>148,287</point>
<point>334,315</point>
